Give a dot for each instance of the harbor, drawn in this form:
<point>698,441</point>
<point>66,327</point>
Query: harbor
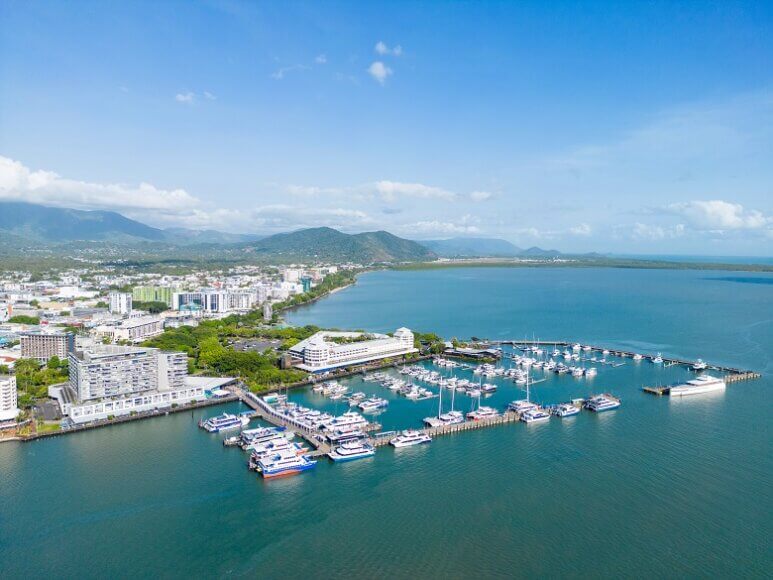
<point>349,417</point>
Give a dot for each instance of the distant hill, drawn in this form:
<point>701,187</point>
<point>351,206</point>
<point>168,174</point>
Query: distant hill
<point>327,244</point>
<point>535,252</point>
<point>28,221</point>
<point>472,247</point>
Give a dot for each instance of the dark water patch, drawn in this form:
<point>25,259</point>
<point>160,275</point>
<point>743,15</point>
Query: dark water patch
<point>744,279</point>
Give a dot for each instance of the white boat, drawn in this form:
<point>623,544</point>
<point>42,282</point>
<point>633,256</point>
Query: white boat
<point>536,415</point>
<point>409,438</point>
<point>521,406</point>
<point>658,359</point>
<point>637,357</point>
<point>601,403</point>
<point>284,463</point>
<point>699,365</point>
<point>591,372</point>
<point>373,404</point>
<point>351,450</point>
<point>482,413</point>
<point>224,422</point>
<point>566,410</point>
<point>702,384</point>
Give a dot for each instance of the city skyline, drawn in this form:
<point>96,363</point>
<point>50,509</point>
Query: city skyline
<point>589,128</point>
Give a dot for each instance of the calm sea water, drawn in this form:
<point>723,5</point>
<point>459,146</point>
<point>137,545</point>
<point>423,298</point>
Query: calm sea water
<point>659,487</point>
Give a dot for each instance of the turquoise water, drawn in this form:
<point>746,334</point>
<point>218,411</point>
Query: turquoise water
<point>658,487</point>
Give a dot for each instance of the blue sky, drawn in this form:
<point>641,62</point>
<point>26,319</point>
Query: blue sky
<point>626,127</point>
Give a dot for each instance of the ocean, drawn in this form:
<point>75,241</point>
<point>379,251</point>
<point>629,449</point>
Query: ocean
<point>659,487</point>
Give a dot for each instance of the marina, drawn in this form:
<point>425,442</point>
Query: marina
<point>448,382</point>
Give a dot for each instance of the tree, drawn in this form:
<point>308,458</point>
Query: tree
<point>24,319</point>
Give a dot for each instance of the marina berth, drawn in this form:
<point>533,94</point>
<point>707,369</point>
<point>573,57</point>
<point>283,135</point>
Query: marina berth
<point>697,386</point>
<point>601,403</point>
<point>409,438</point>
<point>351,450</point>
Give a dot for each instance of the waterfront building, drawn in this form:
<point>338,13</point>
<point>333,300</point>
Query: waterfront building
<point>120,303</point>
<point>9,409</point>
<point>44,344</point>
<point>328,350</point>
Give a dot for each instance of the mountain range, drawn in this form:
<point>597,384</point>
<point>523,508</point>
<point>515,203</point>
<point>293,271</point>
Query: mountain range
<point>25,225</point>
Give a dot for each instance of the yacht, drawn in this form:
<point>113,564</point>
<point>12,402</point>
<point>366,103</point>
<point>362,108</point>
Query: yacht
<point>658,359</point>
<point>637,356</point>
<point>348,420</point>
<point>482,413</point>
<point>488,388</point>
<point>591,372</point>
<point>536,415</point>
<point>409,438</point>
<point>284,463</point>
<point>521,406</point>
<point>601,403</point>
<point>699,365</point>
<point>373,404</point>
<point>351,450</point>
<point>702,384</point>
<point>224,422</point>
<point>566,410</point>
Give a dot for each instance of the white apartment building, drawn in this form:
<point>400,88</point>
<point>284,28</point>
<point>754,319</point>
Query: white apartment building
<point>321,352</point>
<point>120,303</point>
<point>110,371</point>
<point>132,330</point>
<point>44,344</point>
<point>214,301</point>
<point>9,409</point>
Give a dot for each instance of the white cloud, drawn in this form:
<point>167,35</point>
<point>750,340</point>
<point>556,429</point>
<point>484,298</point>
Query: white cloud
<point>581,230</point>
<point>655,233</point>
<point>282,72</point>
<point>209,96</point>
<point>321,59</point>
<point>20,183</point>
<point>186,98</point>
<point>720,215</point>
<point>379,71</point>
<point>384,50</point>
<point>390,190</point>
<point>481,195</point>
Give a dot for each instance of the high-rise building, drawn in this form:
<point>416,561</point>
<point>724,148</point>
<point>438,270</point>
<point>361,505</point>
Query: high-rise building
<point>153,294</point>
<point>8,399</point>
<point>214,301</point>
<point>43,344</point>
<point>120,303</point>
<point>268,313</point>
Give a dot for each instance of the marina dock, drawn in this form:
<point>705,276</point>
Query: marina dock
<point>381,439</point>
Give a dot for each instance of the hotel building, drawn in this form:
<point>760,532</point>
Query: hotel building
<point>43,344</point>
<point>8,399</point>
<point>328,350</point>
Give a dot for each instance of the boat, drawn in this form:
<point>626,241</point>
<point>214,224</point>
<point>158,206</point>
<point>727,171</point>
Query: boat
<point>351,450</point>
<point>601,403</point>
<point>521,406</point>
<point>697,386</point>
<point>482,413</point>
<point>699,365</point>
<point>658,359</point>
<point>373,404</point>
<point>224,422</point>
<point>535,415</point>
<point>284,463</point>
<point>409,438</point>
<point>637,357</point>
<point>591,372</point>
<point>566,410</point>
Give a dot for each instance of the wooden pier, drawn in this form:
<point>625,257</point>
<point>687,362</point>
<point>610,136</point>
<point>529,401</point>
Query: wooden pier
<point>508,417</point>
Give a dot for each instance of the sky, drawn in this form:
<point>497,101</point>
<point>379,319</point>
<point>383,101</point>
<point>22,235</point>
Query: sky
<point>633,127</point>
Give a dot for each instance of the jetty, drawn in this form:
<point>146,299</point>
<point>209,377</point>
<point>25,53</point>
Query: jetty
<point>381,439</point>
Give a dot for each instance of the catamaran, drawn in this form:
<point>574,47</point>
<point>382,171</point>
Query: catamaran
<point>224,422</point>
<point>409,438</point>
<point>566,410</point>
<point>351,450</point>
<point>284,463</point>
<point>601,403</point>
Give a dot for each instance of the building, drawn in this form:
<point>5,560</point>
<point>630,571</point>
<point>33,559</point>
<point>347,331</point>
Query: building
<point>214,301</point>
<point>111,381</point>
<point>9,409</point>
<point>120,303</point>
<point>268,312</point>
<point>328,350</point>
<point>44,344</point>
<point>132,330</point>
<point>153,294</point>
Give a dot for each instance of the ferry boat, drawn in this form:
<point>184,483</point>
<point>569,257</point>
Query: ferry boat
<point>349,420</point>
<point>699,365</point>
<point>351,450</point>
<point>702,384</point>
<point>284,463</point>
<point>601,403</point>
<point>566,410</point>
<point>409,438</point>
<point>339,437</point>
<point>482,413</point>
<point>534,416</point>
<point>224,422</point>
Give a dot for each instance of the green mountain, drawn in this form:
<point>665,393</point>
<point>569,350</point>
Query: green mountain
<point>472,248</point>
<point>29,222</point>
<point>329,245</point>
